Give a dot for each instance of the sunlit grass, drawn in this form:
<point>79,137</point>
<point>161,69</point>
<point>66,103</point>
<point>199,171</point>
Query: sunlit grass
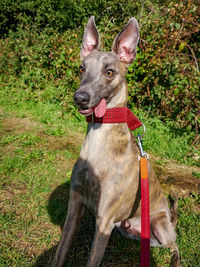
<point>37,154</point>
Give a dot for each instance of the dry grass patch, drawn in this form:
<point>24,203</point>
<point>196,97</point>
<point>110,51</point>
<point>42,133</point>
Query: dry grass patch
<point>176,178</point>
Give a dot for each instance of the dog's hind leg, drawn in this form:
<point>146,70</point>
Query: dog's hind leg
<point>175,261</point>
<point>162,233</point>
<point>174,216</point>
<point>74,214</point>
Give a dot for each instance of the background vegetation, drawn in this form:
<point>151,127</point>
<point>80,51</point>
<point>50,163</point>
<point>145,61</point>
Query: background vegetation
<point>41,131</point>
<point>40,46</point>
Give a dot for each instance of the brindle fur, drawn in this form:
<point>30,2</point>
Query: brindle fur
<point>105,178</point>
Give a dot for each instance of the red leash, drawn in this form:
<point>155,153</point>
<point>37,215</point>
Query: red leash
<point>145,223</point>
<point>145,216</point>
<point>124,115</point>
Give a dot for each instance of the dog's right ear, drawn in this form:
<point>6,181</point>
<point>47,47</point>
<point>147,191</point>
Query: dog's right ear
<point>91,40</point>
<point>125,43</point>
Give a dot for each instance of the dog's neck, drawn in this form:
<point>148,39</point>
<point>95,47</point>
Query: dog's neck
<point>120,98</point>
<point>99,135</point>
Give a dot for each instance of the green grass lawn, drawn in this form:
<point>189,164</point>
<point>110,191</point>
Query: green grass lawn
<point>39,145</point>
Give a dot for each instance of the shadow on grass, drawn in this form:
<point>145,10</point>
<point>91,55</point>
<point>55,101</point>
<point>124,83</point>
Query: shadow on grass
<point>119,252</point>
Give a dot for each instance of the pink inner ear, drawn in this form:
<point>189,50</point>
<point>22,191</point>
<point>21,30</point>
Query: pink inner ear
<point>88,45</point>
<point>125,54</point>
<point>86,50</point>
<point>126,41</point>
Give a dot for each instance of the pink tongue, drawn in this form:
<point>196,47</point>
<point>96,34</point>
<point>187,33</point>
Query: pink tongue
<point>100,109</point>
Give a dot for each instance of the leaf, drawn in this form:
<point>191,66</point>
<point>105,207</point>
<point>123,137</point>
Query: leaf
<point>176,91</point>
<point>182,46</point>
<point>177,26</point>
<point>145,79</point>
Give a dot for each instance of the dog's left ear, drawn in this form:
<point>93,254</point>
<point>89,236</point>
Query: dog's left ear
<point>91,39</point>
<point>125,43</point>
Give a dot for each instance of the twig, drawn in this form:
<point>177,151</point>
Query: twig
<point>142,2</point>
<point>195,141</point>
<point>178,34</point>
<point>144,22</point>
<point>143,41</point>
<point>196,122</point>
<point>197,66</point>
<point>108,25</point>
<point>182,54</point>
<point>106,28</point>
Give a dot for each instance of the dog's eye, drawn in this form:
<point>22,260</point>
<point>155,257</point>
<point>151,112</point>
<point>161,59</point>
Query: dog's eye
<point>81,69</point>
<point>109,73</point>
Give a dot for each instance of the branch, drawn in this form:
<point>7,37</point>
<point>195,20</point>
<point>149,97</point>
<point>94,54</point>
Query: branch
<point>197,66</point>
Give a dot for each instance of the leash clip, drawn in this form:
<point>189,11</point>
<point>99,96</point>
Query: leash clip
<point>142,153</point>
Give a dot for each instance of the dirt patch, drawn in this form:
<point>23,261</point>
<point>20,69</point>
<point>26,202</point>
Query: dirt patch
<point>176,178</point>
<point>10,192</point>
<point>16,126</point>
<point>60,143</point>
<point>20,125</point>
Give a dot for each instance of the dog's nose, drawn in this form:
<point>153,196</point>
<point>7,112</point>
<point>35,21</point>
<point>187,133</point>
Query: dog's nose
<point>81,98</point>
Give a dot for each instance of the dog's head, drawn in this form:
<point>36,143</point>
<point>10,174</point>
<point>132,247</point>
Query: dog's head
<point>102,73</point>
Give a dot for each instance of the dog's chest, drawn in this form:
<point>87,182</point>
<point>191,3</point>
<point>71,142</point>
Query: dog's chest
<point>96,144</point>
<point>107,157</point>
<point>97,159</point>
<point>107,146</point>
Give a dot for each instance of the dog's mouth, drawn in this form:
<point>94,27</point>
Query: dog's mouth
<point>85,111</point>
<point>99,110</point>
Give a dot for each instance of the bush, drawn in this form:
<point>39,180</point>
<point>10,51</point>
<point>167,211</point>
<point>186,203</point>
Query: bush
<point>60,15</point>
<point>165,77</point>
<point>41,43</point>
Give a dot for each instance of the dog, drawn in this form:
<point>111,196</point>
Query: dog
<point>105,178</point>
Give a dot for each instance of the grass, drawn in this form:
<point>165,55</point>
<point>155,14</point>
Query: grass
<point>39,145</point>
<point>167,140</point>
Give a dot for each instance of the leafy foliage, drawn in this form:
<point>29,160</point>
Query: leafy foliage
<point>165,78</point>
<point>41,41</point>
<point>60,15</point>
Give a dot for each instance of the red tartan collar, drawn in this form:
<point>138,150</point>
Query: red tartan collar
<point>117,115</point>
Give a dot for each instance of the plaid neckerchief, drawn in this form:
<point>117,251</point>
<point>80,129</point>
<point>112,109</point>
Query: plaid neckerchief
<point>117,115</point>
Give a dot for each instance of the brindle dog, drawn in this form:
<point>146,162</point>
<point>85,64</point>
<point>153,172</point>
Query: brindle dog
<point>105,178</point>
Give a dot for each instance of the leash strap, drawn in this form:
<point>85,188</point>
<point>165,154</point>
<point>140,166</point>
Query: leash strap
<point>117,115</point>
<point>145,221</point>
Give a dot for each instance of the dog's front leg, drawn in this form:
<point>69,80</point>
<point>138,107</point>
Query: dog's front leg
<point>102,235</point>
<point>74,214</point>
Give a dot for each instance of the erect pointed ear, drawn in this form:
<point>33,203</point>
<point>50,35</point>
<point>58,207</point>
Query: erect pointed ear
<point>91,40</point>
<point>126,42</point>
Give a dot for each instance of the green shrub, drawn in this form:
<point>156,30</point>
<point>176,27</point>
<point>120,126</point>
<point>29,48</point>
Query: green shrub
<point>61,15</point>
<point>41,41</point>
<point>164,79</point>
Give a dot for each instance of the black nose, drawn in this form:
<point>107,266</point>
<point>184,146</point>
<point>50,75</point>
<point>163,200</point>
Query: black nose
<point>82,98</point>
